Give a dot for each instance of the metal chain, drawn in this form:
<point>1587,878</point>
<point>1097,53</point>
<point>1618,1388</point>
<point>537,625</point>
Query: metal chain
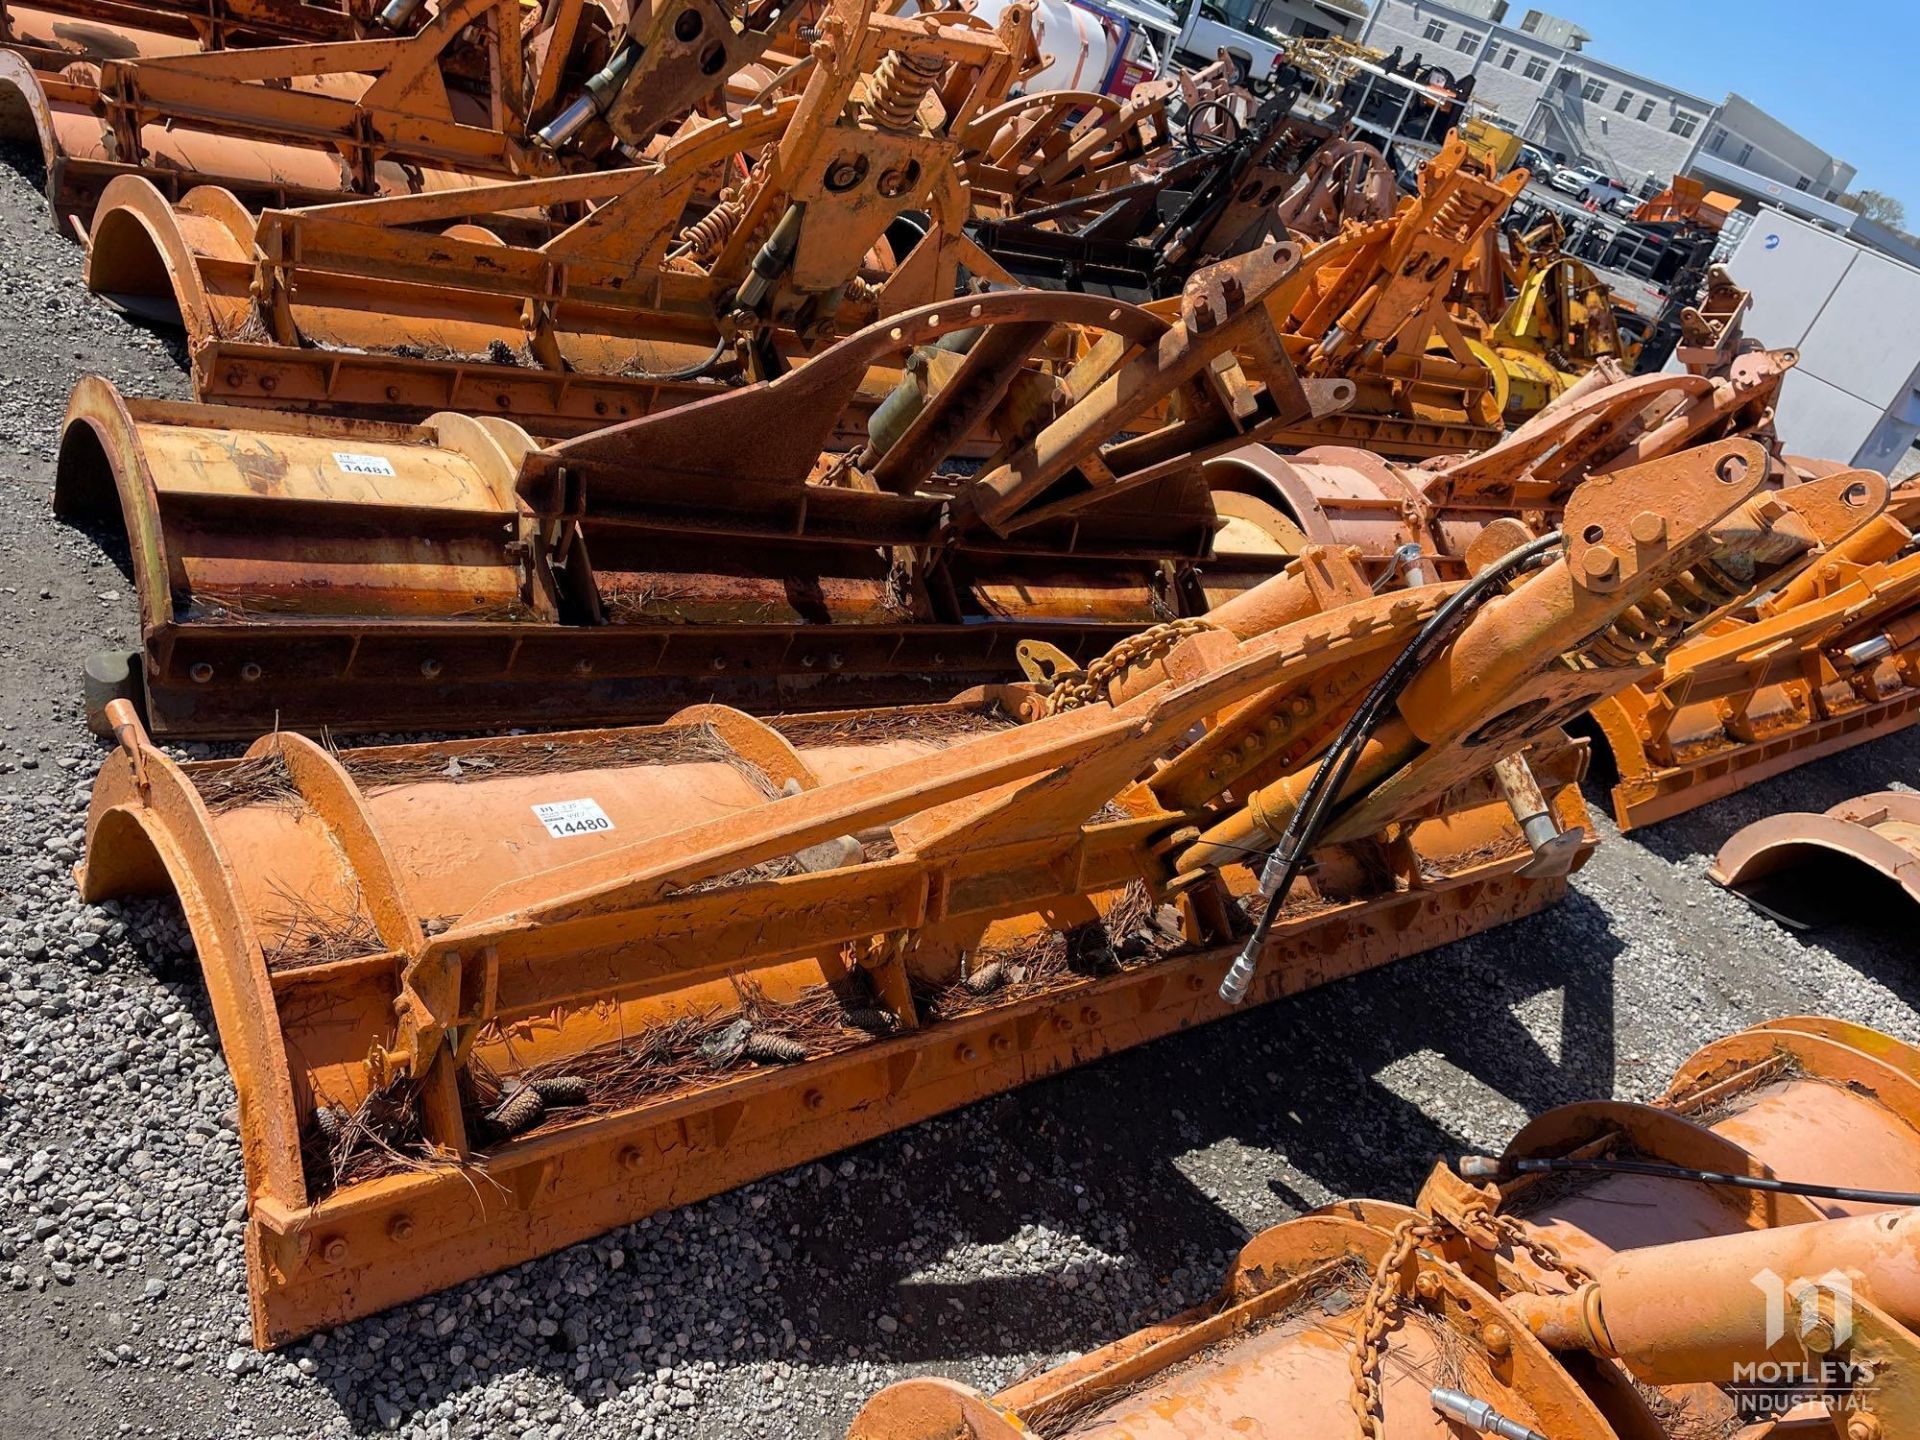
<point>1543,1252</point>
<point>1389,1289</point>
<point>1376,1318</point>
<point>1091,684</point>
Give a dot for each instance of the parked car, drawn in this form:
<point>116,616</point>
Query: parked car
<point>1535,162</point>
<point>1572,179</point>
<point>1609,195</point>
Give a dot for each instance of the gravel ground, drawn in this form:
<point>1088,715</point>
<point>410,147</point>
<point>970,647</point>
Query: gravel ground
<point>980,1245</point>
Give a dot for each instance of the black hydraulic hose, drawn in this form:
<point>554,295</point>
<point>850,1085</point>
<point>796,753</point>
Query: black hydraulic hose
<point>1549,1165</point>
<point>685,372</point>
<point>1226,112</point>
<point>1309,817</point>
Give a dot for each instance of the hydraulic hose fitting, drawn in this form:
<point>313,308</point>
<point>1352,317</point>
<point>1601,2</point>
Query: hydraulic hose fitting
<point>1478,1415</point>
<point>594,98</point>
<point>396,13</point>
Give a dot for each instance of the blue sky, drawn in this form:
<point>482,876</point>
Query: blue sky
<point>1844,74</point>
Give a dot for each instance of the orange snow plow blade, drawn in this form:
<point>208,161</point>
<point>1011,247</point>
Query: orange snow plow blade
<point>367,576</point>
<point>1806,869</point>
<point>1829,662</point>
<point>474,93</point>
<point>1607,1278</point>
<point>483,999</point>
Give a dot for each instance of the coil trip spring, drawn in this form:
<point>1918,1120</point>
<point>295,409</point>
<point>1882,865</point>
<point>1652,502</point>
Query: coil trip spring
<point>900,82</point>
<point>1666,615</point>
<point>702,239</point>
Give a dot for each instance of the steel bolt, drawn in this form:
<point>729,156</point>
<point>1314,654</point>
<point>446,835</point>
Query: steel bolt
<point>430,668</point>
<point>999,1044</point>
<point>249,671</point>
<point>201,673</point>
<point>630,1157</point>
<point>1427,1286</point>
<point>1863,1427</point>
<point>813,1100</point>
<point>1497,1340</point>
<point>1649,528</point>
<point>1089,1015</point>
<point>334,1250</point>
<point>965,1053</point>
<point>268,382</point>
<point>393,392</point>
<point>1601,563</point>
<point>1819,1337</point>
<point>400,1227</point>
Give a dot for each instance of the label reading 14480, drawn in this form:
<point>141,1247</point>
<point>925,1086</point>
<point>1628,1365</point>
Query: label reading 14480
<point>572,817</point>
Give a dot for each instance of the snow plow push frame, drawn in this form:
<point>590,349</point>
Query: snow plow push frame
<point>488,998</point>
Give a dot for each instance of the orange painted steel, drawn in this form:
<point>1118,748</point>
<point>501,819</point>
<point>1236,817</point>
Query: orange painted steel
<point>814,577</point>
<point>1579,1306</point>
<point>869,547</point>
<point>692,266</point>
<point>296,122</point>
<point>1830,662</point>
<point>1781,863</point>
<point>572,979</point>
<point>1603,423</point>
<point>1376,315</point>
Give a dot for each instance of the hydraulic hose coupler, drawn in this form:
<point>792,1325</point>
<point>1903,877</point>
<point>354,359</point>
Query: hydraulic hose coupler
<point>1239,978</point>
<point>1479,1415</point>
<point>396,13</point>
<point>594,98</point>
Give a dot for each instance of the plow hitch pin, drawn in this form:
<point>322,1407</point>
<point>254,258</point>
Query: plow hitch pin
<point>1480,1416</point>
<point>1869,652</point>
<point>1553,849</point>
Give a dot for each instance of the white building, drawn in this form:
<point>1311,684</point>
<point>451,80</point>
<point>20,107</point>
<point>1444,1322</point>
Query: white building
<point>1544,84</point>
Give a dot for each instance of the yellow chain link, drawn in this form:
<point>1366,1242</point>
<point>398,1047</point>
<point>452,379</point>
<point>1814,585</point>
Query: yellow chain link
<point>1091,684</point>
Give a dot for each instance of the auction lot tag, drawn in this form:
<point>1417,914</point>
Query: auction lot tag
<point>362,464</point>
<point>572,817</point>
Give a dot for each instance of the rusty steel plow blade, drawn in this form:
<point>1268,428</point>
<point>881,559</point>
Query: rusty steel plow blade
<point>1806,870</point>
<point>483,999</point>
<point>1027,478</point>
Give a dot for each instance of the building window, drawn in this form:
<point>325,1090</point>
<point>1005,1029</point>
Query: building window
<point>1719,139</point>
<point>1468,43</point>
<point>1532,22</point>
<point>1536,67</point>
<point>1594,90</point>
<point>1802,183</point>
<point>1746,154</point>
<point>1626,99</point>
<point>1682,124</point>
<point>1506,60</point>
<point>1646,109</point>
<point>1436,30</point>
